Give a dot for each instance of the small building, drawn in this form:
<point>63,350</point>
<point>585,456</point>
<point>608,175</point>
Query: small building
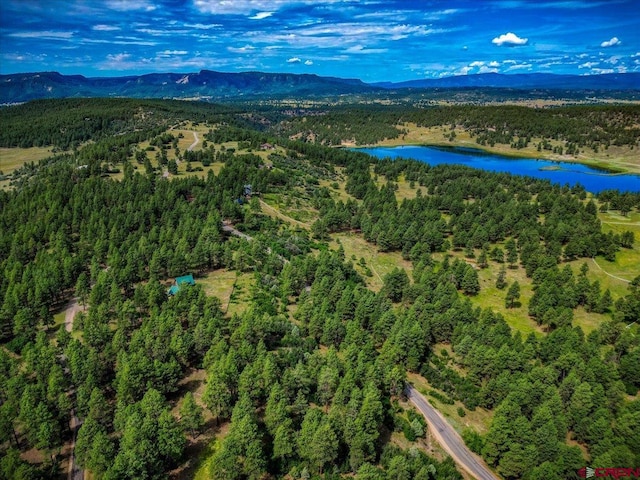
<point>179,281</point>
<point>267,146</point>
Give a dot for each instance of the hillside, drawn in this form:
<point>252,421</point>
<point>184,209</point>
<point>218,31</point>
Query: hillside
<point>324,279</point>
<point>204,85</point>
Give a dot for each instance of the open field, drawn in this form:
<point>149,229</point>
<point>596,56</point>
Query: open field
<point>380,263</point>
<point>12,158</point>
<point>231,287</point>
<point>621,159</point>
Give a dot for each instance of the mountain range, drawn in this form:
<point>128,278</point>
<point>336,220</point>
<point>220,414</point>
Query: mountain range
<point>216,86</point>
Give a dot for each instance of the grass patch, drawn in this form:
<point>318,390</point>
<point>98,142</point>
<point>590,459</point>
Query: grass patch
<point>221,284</point>
<point>204,461</point>
<point>12,158</point>
<point>379,263</point>
<point>292,209</point>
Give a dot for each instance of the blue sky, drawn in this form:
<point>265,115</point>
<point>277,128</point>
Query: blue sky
<point>371,40</point>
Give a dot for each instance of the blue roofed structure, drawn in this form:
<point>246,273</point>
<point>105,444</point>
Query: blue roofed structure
<point>184,280</point>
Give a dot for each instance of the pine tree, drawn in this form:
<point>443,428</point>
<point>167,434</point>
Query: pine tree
<point>513,295</point>
<point>191,415</point>
<point>501,281</point>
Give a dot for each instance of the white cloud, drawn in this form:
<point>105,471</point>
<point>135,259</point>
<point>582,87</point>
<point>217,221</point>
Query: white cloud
<point>294,60</point>
<point>261,15</point>
<point>245,7</point>
<point>477,63</point>
<point>105,28</point>
<point>48,34</point>
<point>130,5</point>
<point>168,53</point>
<point>494,64</point>
<point>509,39</point>
<point>124,41</point>
<point>600,71</point>
<point>588,65</point>
<point>485,69</point>
<point>245,49</point>
<point>636,55</point>
<point>611,43</point>
<point>520,66</point>
<point>118,57</point>
<point>308,62</point>
<point>202,26</point>
<point>361,49</point>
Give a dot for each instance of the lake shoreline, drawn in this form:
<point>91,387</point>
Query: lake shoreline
<point>593,178</point>
<point>595,164</point>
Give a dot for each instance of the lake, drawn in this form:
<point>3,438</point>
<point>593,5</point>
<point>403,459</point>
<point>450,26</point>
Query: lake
<point>593,180</point>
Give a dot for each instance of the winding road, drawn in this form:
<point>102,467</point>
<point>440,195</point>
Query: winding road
<point>449,438</point>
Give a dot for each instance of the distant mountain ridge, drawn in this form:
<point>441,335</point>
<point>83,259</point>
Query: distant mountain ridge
<point>211,85</point>
<point>608,81</point>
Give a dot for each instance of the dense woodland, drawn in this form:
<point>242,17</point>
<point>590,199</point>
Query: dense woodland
<point>313,394</point>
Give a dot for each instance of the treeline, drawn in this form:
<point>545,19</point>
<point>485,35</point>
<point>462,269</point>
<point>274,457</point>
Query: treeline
<point>579,127</point>
<point>337,125</point>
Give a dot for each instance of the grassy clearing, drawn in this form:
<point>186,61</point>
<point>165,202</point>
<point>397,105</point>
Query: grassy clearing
<point>616,158</point>
<point>239,299</point>
<point>219,283</point>
<point>12,158</point>
<point>478,420</point>
<point>292,208</point>
<point>379,263</point>
<point>232,288</point>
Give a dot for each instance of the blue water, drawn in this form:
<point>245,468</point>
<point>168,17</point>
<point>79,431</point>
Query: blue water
<point>591,179</point>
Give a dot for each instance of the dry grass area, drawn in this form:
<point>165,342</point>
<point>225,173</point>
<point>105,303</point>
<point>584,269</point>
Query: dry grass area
<point>12,158</point>
<point>618,158</point>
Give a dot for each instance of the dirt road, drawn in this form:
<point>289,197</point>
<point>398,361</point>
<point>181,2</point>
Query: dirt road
<point>75,472</point>
<point>195,141</point>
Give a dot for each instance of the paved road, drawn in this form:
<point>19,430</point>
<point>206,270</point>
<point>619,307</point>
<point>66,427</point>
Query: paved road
<point>75,472</point>
<point>449,438</point>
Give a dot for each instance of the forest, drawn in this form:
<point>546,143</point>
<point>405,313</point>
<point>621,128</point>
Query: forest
<point>306,380</point>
